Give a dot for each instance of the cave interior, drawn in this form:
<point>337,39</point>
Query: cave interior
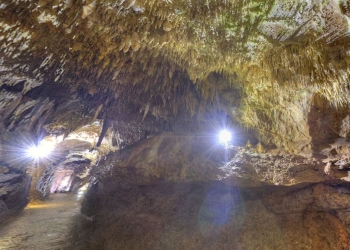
<point>181,124</point>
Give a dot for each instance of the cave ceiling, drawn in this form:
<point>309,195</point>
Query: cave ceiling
<point>267,64</point>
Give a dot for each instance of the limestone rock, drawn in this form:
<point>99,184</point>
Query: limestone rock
<point>168,192</point>
<point>14,190</point>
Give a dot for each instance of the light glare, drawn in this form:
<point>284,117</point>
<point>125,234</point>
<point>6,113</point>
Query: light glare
<point>225,136</point>
<point>39,151</point>
<point>42,150</point>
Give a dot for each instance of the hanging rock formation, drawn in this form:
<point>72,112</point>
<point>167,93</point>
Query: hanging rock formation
<point>164,57</point>
<point>162,72</point>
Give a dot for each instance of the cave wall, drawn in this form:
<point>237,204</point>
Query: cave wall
<point>218,216</point>
<point>278,68</point>
<point>184,191</point>
<point>31,111</point>
<point>14,190</point>
<point>14,180</point>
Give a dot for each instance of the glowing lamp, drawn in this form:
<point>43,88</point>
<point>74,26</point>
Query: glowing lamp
<point>40,151</point>
<point>225,137</point>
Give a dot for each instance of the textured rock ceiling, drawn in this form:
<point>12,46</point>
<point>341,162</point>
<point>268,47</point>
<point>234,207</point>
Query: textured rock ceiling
<point>264,62</point>
<point>124,70</point>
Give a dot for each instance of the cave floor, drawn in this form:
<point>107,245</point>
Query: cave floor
<point>44,225</point>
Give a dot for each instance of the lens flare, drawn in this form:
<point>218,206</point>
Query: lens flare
<point>225,136</point>
<point>37,152</point>
<point>42,150</point>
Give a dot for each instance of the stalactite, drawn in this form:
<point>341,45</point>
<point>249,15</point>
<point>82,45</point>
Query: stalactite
<point>265,49</point>
<point>106,124</point>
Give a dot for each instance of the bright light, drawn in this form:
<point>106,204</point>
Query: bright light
<point>37,152</point>
<point>225,137</point>
<point>42,150</point>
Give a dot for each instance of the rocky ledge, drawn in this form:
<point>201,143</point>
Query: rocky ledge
<point>181,191</point>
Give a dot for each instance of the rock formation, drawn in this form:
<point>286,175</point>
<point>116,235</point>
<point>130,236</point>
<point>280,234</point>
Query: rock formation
<point>130,95</point>
<point>176,191</point>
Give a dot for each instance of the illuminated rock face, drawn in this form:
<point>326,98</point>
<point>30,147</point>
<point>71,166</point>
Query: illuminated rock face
<point>278,69</point>
<point>175,191</point>
<point>160,56</point>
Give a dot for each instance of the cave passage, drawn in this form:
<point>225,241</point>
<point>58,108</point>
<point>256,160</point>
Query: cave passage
<point>42,225</point>
<point>128,97</point>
